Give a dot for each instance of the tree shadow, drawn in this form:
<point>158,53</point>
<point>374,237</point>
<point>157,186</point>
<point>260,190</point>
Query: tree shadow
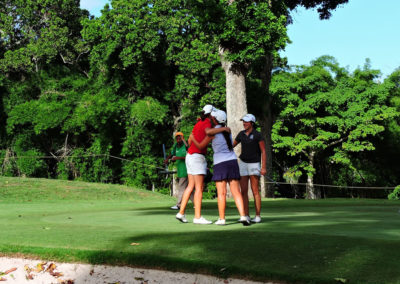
<point>262,256</point>
<point>304,244</point>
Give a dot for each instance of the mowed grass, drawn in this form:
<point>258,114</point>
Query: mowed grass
<point>299,241</point>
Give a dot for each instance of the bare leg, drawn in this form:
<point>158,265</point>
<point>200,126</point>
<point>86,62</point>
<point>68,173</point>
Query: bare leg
<point>244,188</point>
<point>198,195</point>
<point>255,181</point>
<point>186,194</point>
<point>221,190</point>
<point>237,196</point>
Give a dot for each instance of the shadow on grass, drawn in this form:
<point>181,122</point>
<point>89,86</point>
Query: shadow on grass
<point>310,243</point>
<point>305,258</point>
<point>296,243</point>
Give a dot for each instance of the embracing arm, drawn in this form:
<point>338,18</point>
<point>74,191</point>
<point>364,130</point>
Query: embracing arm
<point>203,144</point>
<point>213,131</point>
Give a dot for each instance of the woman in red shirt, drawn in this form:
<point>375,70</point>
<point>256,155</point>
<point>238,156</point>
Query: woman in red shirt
<point>196,166</point>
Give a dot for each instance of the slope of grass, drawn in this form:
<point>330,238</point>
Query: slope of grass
<point>357,241</point>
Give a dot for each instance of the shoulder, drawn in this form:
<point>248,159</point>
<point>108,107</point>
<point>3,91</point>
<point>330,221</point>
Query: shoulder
<point>239,135</point>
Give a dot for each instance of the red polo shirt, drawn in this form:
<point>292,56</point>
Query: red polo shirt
<point>199,132</point>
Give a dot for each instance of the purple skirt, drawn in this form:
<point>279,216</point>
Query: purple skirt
<point>226,170</point>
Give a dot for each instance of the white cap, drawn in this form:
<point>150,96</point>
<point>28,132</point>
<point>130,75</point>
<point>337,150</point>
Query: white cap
<point>208,109</point>
<point>219,115</point>
<point>249,117</point>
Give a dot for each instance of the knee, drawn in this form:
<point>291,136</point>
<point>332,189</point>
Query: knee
<point>256,193</point>
<point>222,194</point>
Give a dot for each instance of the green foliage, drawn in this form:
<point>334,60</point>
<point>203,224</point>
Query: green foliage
<point>141,171</point>
<point>29,165</point>
<point>148,110</point>
<point>37,32</point>
<point>395,195</point>
<point>249,31</point>
<point>329,112</point>
<point>122,83</point>
<point>91,164</point>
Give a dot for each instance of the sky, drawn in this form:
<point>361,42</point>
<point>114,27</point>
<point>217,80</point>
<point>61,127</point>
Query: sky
<point>356,31</point>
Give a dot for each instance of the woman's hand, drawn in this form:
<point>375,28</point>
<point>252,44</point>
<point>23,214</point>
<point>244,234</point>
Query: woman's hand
<point>227,129</point>
<point>190,140</point>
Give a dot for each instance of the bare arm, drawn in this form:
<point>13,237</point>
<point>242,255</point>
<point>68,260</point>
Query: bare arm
<point>174,158</point>
<point>235,143</point>
<point>203,144</point>
<point>213,131</point>
<point>263,171</point>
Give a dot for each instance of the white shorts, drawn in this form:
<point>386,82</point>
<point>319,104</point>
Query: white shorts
<point>249,169</point>
<point>196,164</point>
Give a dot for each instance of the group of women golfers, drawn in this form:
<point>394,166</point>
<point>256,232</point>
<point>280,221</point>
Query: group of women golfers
<point>210,128</point>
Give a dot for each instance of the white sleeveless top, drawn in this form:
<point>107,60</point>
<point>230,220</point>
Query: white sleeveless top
<point>221,150</point>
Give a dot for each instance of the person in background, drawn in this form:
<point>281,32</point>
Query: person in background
<point>196,166</point>
<point>178,153</point>
<point>252,163</point>
<point>226,168</point>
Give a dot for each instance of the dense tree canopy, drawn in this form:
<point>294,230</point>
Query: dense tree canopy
<point>81,90</point>
<point>326,110</point>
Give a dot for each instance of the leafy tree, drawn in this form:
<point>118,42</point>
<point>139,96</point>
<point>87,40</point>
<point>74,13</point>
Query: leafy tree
<point>248,35</point>
<point>37,32</point>
<point>325,109</point>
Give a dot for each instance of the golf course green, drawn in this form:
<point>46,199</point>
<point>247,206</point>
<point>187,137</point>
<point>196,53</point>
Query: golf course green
<point>298,241</point>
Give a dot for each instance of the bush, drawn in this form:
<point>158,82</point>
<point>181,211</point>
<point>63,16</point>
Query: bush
<point>31,164</point>
<point>395,195</point>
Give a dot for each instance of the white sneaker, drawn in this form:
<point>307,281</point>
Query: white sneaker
<point>256,219</point>
<point>201,221</point>
<point>220,222</point>
<point>245,220</point>
<point>181,217</point>
<point>248,218</point>
<point>175,207</point>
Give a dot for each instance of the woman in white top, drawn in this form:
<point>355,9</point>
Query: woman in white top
<point>226,168</point>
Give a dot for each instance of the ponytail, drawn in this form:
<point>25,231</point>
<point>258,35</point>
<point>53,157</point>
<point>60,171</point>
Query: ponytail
<point>227,137</point>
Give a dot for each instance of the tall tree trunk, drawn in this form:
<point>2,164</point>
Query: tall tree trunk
<point>236,102</point>
<point>267,118</point>
<point>311,191</point>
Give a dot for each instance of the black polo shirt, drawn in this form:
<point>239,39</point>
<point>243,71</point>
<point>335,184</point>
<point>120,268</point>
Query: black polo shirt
<point>251,152</point>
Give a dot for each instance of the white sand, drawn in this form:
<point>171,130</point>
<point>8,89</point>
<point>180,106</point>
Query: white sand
<point>96,274</point>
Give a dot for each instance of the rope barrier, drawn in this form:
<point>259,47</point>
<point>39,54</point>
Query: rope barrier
<point>334,186</point>
<point>85,156</point>
<point>160,168</point>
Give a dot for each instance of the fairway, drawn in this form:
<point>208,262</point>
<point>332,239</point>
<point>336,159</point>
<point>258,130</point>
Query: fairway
<point>326,241</point>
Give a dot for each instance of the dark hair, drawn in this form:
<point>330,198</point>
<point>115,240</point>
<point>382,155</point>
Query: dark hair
<point>227,137</point>
<point>203,116</point>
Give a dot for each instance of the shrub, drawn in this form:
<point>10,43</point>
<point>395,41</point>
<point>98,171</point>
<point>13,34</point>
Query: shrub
<point>395,195</point>
<point>31,164</point>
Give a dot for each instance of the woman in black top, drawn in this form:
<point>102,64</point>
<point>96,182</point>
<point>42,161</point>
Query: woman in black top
<point>252,163</point>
